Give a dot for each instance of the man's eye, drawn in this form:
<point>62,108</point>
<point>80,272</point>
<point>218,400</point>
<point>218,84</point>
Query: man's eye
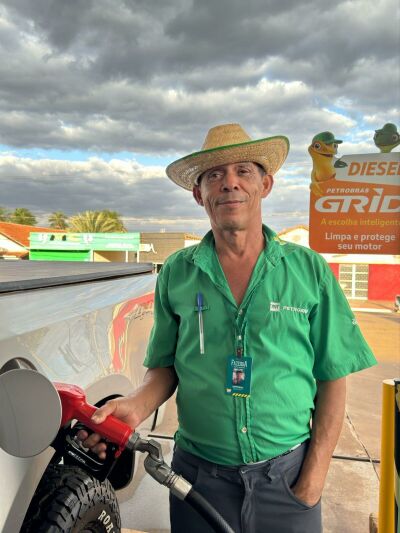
<point>214,176</point>
<point>244,171</point>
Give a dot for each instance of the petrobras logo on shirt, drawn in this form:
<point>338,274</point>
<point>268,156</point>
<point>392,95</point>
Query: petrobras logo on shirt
<point>274,306</point>
<point>277,307</point>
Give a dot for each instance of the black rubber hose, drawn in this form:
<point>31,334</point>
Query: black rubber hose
<point>208,512</point>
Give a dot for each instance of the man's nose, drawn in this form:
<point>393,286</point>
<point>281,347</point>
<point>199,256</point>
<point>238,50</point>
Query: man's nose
<point>230,181</point>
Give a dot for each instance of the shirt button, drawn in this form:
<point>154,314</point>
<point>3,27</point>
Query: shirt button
<point>244,429</point>
<point>240,311</point>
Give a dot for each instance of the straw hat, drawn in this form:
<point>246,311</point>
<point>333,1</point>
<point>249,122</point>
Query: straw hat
<point>228,143</point>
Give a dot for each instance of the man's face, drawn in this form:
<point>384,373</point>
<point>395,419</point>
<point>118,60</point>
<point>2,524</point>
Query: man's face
<point>231,194</point>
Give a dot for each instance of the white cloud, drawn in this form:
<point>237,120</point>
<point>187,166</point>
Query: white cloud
<point>377,120</point>
<point>151,78</point>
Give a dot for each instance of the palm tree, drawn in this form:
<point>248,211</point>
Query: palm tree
<point>115,216</point>
<point>58,220</point>
<point>93,222</point>
<point>21,215</point>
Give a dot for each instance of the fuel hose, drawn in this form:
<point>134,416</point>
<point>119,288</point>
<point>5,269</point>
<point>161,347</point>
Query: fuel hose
<point>207,511</point>
<point>158,469</point>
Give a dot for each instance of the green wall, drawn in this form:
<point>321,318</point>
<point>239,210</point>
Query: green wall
<point>59,255</point>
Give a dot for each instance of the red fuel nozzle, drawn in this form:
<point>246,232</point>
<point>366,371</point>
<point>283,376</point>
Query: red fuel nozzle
<point>74,406</point>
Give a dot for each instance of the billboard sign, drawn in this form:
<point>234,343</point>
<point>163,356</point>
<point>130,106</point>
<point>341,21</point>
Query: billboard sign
<point>355,203</point>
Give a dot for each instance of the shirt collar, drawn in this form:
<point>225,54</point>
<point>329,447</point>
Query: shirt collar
<point>202,254</point>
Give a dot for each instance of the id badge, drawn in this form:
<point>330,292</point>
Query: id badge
<point>238,376</point>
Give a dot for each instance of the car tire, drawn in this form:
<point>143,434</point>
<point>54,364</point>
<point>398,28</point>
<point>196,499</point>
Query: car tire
<point>69,500</point>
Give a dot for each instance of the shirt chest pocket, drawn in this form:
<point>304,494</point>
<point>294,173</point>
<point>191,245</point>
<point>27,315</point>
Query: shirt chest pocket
<point>217,325</point>
<point>189,317</point>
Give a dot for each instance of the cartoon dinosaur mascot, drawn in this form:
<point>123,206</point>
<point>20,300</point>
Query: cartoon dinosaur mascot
<point>322,150</point>
<point>387,138</point>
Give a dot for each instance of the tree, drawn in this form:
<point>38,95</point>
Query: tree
<point>94,222</point>
<point>4,215</point>
<point>21,215</point>
<point>115,216</point>
<point>58,220</point>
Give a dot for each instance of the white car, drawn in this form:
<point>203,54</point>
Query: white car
<point>85,324</point>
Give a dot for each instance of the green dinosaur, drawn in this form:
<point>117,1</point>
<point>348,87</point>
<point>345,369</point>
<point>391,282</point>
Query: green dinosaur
<point>387,138</point>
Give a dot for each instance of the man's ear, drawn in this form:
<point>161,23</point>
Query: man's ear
<point>197,194</point>
<point>268,182</point>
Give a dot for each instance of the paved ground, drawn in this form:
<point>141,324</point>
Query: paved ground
<point>351,491</point>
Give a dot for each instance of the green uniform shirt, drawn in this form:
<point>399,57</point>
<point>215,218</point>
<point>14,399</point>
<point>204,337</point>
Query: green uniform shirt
<point>294,322</point>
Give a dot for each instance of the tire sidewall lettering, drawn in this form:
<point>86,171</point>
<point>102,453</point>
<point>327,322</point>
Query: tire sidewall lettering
<point>105,519</point>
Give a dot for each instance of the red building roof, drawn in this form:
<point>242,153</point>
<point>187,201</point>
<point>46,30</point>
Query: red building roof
<point>19,233</point>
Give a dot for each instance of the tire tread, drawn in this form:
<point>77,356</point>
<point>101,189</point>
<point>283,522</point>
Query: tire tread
<point>65,493</point>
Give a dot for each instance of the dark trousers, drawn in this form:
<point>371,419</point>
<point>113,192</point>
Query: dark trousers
<point>253,498</point>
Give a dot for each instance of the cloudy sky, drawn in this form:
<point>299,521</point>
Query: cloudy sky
<point>98,96</point>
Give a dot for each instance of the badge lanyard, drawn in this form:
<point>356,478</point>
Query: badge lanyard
<point>239,366</point>
<point>238,369</point>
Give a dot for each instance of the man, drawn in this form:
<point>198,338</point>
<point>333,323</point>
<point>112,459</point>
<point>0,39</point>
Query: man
<point>269,308</point>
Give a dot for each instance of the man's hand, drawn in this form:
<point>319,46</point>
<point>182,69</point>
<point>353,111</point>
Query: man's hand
<point>158,385</point>
<point>123,408</point>
<point>309,496</point>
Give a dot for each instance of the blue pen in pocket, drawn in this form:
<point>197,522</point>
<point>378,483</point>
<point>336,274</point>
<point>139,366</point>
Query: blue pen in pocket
<point>200,304</point>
